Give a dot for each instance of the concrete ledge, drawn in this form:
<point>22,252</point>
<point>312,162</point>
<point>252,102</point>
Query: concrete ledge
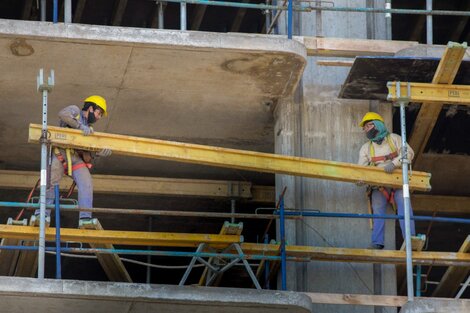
<point>436,306</point>
<point>55,296</point>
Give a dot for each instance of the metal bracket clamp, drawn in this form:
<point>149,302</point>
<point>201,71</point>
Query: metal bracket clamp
<point>398,97</point>
<point>41,85</point>
<point>215,269</point>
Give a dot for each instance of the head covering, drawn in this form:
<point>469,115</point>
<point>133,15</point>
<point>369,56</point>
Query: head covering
<point>382,131</point>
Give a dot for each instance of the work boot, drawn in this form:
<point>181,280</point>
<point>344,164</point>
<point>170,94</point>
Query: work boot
<point>376,246</point>
<point>87,223</point>
<point>35,220</point>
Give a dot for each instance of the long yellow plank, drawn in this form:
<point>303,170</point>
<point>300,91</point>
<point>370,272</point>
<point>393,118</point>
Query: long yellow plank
<point>360,255</point>
<point>430,93</point>
<point>111,263</point>
<point>450,282</point>
<point>148,186</point>
<point>428,114</point>
<point>120,237</point>
<point>229,158</point>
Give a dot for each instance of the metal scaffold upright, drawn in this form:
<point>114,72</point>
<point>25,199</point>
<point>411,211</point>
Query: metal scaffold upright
<point>45,87</point>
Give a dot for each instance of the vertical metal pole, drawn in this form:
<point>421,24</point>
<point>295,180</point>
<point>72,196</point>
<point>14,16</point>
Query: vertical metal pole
<point>462,290</point>
<point>160,15</point>
<point>183,15</point>
<point>44,88</point>
<point>43,10</point>
<point>388,20</point>
<point>289,20</point>
<point>55,11</point>
<point>266,266</point>
<point>232,210</point>
<point>282,231</point>
<point>268,17</point>
<point>67,11</point>
<point>58,268</point>
<point>418,281</point>
<point>429,27</point>
<point>406,196</point>
<point>149,257</point>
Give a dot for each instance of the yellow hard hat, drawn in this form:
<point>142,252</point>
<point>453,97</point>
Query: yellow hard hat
<point>370,116</point>
<point>99,101</point>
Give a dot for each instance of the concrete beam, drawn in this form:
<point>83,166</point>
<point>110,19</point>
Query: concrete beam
<point>21,295</point>
<point>345,47</point>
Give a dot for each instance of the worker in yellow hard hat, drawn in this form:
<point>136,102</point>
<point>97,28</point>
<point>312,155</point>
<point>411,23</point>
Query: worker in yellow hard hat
<point>383,149</point>
<point>77,163</point>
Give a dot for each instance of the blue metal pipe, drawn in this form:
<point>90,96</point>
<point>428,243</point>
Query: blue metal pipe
<point>418,280</point>
<point>266,266</point>
<point>261,6</point>
<point>58,268</point>
<point>55,11</point>
<point>282,231</point>
<point>289,19</point>
<point>382,216</point>
<point>34,205</point>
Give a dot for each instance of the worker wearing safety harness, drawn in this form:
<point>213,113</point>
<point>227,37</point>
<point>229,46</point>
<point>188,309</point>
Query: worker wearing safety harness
<point>383,150</point>
<point>77,163</point>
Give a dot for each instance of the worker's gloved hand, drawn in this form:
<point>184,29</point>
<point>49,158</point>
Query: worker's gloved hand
<point>360,183</point>
<point>87,130</point>
<point>104,153</point>
<point>389,167</point>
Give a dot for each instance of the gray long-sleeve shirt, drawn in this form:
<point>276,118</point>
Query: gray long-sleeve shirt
<point>71,116</point>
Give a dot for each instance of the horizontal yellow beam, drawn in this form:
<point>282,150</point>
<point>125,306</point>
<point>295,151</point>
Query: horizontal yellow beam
<point>148,186</point>
<point>430,93</point>
<point>360,255</point>
<point>120,237</point>
<point>228,158</point>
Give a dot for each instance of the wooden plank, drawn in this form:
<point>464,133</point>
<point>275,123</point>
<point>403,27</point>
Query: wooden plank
<point>441,204</point>
<point>119,12</point>
<point>343,63</point>
<point>120,237</point>
<point>366,300</point>
<point>77,17</point>
<point>229,158</point>
<point>450,282</point>
<point>308,253</point>
<point>111,263</point>
<point>417,244</point>
<point>239,16</point>
<point>428,114</point>
<point>345,47</point>
<point>199,12</point>
<point>149,186</point>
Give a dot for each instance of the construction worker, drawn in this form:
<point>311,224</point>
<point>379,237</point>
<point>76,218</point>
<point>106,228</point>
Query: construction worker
<point>72,116</point>
<point>383,150</point>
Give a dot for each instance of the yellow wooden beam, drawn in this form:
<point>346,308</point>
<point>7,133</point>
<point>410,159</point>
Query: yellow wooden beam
<point>430,93</point>
<point>450,282</point>
<point>360,255</point>
<point>111,263</point>
<point>428,114</point>
<point>441,204</point>
<point>228,158</point>
<point>346,47</point>
<point>147,186</point>
<point>120,237</point>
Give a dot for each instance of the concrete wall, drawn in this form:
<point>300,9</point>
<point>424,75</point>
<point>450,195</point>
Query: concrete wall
<point>316,124</point>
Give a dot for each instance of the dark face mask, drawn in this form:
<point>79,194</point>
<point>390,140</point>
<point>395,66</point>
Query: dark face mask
<point>372,133</point>
<point>91,117</point>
